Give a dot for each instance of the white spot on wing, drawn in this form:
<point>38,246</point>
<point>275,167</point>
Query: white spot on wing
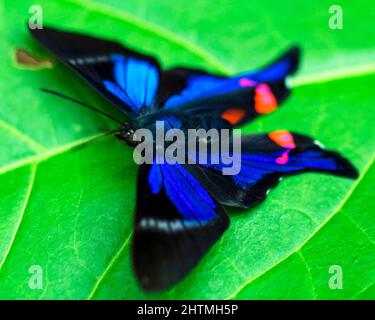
<point>176,225</point>
<point>319,144</point>
<point>163,225</point>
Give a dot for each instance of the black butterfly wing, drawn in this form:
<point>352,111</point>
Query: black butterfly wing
<point>236,99</point>
<point>134,82</point>
<point>126,78</point>
<point>264,160</point>
<point>177,221</point>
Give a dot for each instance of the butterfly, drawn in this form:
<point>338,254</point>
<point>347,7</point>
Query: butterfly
<point>180,208</point>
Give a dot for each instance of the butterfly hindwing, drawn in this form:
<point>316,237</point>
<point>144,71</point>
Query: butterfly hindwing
<point>176,223</point>
<point>126,78</point>
<point>265,159</point>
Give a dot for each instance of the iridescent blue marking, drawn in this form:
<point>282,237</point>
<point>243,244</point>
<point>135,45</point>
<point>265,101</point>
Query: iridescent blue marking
<point>254,166</point>
<point>205,86</point>
<point>171,122</point>
<point>184,191</point>
<point>275,72</point>
<point>119,93</point>
<point>155,179</point>
<point>136,81</point>
<point>200,87</point>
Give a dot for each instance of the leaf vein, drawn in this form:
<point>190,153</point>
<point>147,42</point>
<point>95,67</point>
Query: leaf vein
<point>109,266</point>
<point>53,152</point>
<point>360,229</point>
<point>23,137</point>
<point>22,212</point>
<point>314,294</point>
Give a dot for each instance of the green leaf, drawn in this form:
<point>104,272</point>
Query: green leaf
<point>67,192</point>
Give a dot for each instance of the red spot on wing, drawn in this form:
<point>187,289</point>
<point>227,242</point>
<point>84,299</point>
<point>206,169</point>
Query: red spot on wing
<point>265,101</point>
<point>233,115</point>
<point>283,138</point>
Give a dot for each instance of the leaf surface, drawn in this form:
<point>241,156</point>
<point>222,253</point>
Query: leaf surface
<point>67,193</point>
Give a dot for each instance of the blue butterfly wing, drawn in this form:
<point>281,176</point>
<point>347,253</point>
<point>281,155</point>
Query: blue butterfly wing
<point>265,159</point>
<point>177,221</point>
<point>126,78</point>
<point>135,82</point>
<point>236,99</point>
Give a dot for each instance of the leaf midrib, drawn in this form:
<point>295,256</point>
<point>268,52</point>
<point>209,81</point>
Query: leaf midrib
<point>53,152</point>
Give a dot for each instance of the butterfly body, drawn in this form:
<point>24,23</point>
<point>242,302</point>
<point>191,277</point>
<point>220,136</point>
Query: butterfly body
<point>180,211</point>
<point>127,134</point>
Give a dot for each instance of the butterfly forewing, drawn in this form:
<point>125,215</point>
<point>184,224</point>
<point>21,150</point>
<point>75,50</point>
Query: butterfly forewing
<point>126,78</point>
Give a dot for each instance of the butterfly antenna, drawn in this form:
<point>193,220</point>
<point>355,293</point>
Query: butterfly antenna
<point>83,104</point>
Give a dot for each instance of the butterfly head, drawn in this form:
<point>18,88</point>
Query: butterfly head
<point>127,134</point>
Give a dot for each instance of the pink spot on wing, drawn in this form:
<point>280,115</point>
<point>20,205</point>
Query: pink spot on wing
<point>263,88</point>
<point>284,158</point>
<point>245,82</point>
